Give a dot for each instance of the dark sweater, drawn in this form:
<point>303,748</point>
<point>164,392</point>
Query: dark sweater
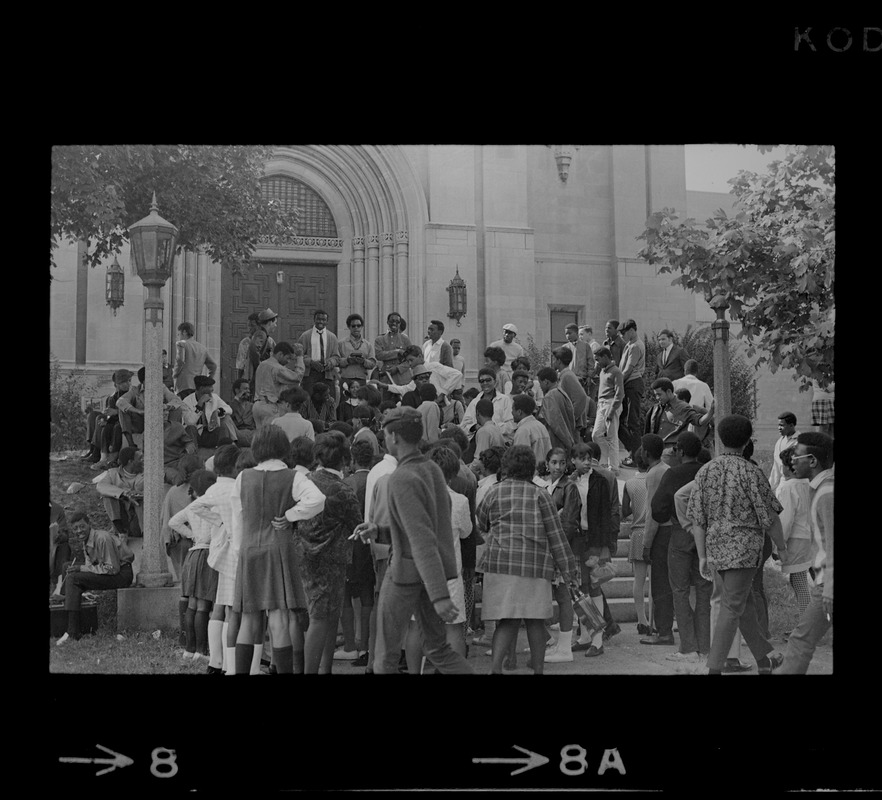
<point>663,510</point>
<point>420,526</point>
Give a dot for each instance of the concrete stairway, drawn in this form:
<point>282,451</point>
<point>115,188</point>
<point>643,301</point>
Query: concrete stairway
<point>620,591</point>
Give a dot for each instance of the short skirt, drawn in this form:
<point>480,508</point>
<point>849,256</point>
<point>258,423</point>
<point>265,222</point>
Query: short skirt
<point>515,597</point>
<point>226,590</point>
<point>197,578</point>
<point>635,549</point>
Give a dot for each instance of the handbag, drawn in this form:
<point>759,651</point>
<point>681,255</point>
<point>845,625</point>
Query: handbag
<point>601,573</point>
<point>589,615</point>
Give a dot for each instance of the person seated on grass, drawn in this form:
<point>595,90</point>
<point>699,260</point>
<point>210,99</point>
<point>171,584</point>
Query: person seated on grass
<point>206,416</point>
<point>131,409</point>
<point>291,420</point>
<point>106,564</point>
<point>59,548</point>
<point>102,427</point>
<point>243,417</point>
<point>122,491</point>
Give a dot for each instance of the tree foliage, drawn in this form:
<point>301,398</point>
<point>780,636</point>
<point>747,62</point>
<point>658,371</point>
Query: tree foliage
<point>773,261</point>
<point>211,193</point>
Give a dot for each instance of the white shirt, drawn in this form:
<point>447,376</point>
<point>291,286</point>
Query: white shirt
<point>582,487</point>
<point>316,350</point>
<point>777,473</point>
<point>191,415</point>
<point>215,508</point>
<point>432,350</point>
<point>384,467</point>
<point>666,353</point>
<point>501,415</point>
<point>700,391</point>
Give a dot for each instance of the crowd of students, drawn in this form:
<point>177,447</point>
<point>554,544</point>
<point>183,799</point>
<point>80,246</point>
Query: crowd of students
<point>392,494</point>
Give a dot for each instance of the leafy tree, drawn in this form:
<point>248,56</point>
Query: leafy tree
<point>539,356</point>
<point>773,261</point>
<point>210,193</point>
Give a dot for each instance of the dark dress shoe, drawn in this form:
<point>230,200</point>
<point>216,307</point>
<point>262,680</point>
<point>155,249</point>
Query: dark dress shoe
<point>644,630</point>
<point>611,630</point>
<point>656,639</point>
<point>734,665</point>
<point>594,651</point>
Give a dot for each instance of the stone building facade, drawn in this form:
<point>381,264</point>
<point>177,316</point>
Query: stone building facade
<point>539,241</point>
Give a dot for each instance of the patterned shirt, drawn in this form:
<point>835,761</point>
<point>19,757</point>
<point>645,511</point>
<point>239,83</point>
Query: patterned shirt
<point>523,532</point>
<point>733,502</point>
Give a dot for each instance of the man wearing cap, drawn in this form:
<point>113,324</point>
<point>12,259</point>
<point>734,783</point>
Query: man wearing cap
<point>423,557</point>
<point>319,354</point>
<point>421,374</point>
<point>789,435</point>
<point>389,351</point>
<point>509,346</point>
<point>262,344</point>
<point>435,348</point>
<point>131,408</point>
<point>210,416</point>
<point>284,368</point>
<point>191,358</point>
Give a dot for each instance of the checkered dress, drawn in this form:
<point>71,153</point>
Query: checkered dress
<point>822,412</point>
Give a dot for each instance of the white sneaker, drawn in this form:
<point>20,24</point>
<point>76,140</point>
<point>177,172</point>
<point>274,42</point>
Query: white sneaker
<point>345,655</point>
<point>62,640</point>
<point>558,656</point>
<point>691,658</point>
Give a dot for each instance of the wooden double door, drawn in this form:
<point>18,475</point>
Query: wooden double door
<point>293,290</point>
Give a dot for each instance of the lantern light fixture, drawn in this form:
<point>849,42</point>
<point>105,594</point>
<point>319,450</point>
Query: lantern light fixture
<point>115,286</point>
<point>457,294</point>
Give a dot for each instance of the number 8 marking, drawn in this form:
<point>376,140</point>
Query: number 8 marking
<point>164,763</point>
<point>567,757</point>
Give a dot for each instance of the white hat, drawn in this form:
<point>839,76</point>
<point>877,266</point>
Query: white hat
<point>509,327</point>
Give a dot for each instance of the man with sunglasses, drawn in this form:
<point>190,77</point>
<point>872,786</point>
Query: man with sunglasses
<point>355,354</point>
<point>501,405</point>
<point>813,459</point>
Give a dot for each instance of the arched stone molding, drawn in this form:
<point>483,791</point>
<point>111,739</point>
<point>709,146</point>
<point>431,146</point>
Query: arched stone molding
<point>375,197</point>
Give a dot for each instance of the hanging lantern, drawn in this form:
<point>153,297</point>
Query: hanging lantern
<point>563,155</point>
<point>115,286</point>
<point>457,294</point>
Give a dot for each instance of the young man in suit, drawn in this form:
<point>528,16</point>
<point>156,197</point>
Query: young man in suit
<point>319,354</point>
<point>672,358</point>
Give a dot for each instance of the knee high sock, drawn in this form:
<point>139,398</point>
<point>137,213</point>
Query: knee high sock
<point>200,625</point>
<point>597,640</point>
<point>216,643</point>
<point>229,652</point>
<point>283,658</point>
<point>255,661</point>
<point>244,657</point>
<point>190,622</point>
<point>182,621</point>
<point>799,582</point>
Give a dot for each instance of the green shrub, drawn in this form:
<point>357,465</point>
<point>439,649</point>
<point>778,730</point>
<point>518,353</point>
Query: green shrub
<point>67,423</point>
<point>699,344</point>
<point>539,356</point>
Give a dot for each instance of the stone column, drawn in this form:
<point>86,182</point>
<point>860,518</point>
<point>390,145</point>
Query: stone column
<point>399,298</point>
<point>357,303</point>
<point>722,366</point>
<point>387,282</point>
<point>372,279</point>
<point>154,561</point>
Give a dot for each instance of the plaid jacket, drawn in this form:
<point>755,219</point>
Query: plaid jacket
<point>523,532</point>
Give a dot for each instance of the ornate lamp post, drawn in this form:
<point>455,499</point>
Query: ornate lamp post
<point>115,286</point>
<point>457,296</point>
<point>153,251</point>
<point>722,366</point>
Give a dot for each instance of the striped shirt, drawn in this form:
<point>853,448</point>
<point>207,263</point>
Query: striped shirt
<point>523,532</point>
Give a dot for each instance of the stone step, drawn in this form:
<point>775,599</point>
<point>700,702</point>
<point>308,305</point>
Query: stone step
<point>622,587</point>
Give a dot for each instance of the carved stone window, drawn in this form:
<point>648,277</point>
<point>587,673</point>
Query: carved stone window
<point>315,216</point>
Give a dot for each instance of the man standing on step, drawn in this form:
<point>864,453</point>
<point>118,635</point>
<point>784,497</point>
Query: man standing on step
<point>632,365</point>
<point>683,557</point>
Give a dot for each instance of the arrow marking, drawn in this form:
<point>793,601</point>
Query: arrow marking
<point>118,760</point>
<point>533,760</point>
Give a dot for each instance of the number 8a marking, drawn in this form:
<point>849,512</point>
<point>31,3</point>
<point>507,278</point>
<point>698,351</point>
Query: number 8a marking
<point>164,763</point>
<point>579,757</point>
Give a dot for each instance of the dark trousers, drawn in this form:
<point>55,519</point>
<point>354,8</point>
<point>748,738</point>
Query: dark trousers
<point>682,572</point>
<point>759,590</point>
<point>629,421</point>
<point>78,582</point>
<point>737,611</point>
<point>660,584</point>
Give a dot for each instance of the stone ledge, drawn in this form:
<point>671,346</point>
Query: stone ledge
<point>146,609</point>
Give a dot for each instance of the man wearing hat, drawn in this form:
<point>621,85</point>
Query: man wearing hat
<point>191,358</point>
<point>262,344</point>
<point>421,374</point>
<point>211,417</point>
<point>509,346</point>
<point>423,557</point>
